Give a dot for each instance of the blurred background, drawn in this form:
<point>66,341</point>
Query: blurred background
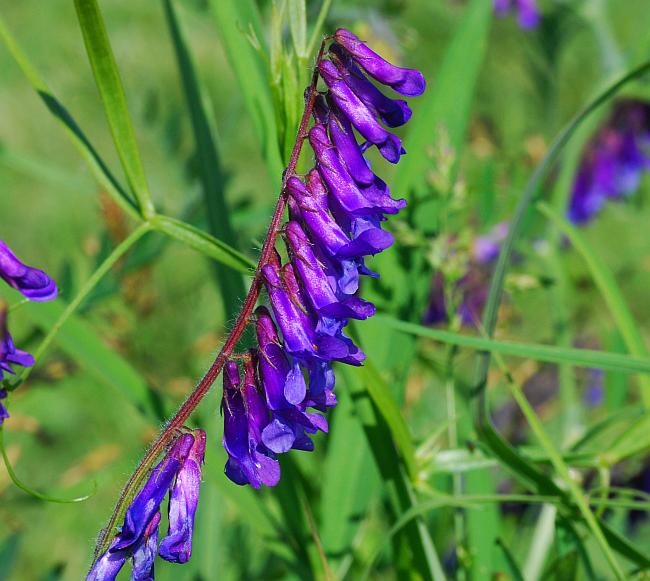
<point>498,94</point>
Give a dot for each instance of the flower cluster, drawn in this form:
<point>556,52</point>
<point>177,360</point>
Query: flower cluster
<point>35,285</point>
<point>527,11</point>
<point>335,217</point>
<point>469,292</point>
<point>179,474</point>
<point>614,161</point>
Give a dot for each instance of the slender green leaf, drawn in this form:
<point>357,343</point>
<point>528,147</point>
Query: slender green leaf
<point>204,243</point>
<point>78,138</point>
<point>212,178</point>
<point>298,27</point>
<point>239,25</point>
<point>448,100</point>
<point>550,354</point>
<point>610,291</point>
<point>109,84</point>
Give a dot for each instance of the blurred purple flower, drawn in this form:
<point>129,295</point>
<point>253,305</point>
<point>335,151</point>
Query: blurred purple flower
<point>9,355</point>
<point>528,15</point>
<point>613,162</point>
<point>595,388</point>
<point>179,472</point>
<point>31,282</point>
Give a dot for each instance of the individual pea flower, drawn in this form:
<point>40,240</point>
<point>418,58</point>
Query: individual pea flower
<point>527,12</point>
<point>33,283</point>
<point>9,355</point>
<point>178,473</point>
<point>246,414</point>
<point>613,162</point>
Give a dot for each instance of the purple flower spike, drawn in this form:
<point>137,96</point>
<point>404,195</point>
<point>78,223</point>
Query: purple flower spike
<point>177,545</point>
<point>392,112</point>
<point>361,117</point>
<point>145,555</point>
<point>9,355</point>
<point>31,282</point>
<point>4,414</point>
<point>245,415</point>
<point>314,279</point>
<point>409,82</point>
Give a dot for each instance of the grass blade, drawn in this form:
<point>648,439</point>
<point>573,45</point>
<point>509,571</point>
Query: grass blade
<point>204,243</point>
<point>548,353</point>
<point>236,19</point>
<point>109,84</point>
<point>79,139</point>
<point>212,178</point>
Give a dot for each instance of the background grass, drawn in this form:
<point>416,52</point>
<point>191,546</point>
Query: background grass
<point>404,486</point>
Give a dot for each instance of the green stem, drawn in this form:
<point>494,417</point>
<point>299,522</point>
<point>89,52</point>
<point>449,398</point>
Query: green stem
<point>560,467</point>
<point>87,288</point>
<point>31,491</point>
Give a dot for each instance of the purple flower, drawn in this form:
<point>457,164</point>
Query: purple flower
<point>245,416</point>
<point>527,12</point>
<point>31,282</point>
<point>9,355</point>
<point>614,161</point>
<point>179,471</point>
<point>408,82</point>
<point>183,501</point>
<point>4,414</point>
<point>335,222</point>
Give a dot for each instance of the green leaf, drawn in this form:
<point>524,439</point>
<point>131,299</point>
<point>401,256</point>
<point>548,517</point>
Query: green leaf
<point>610,291</point>
<point>212,178</point>
<point>298,27</point>
<point>550,354</point>
<point>109,84</point>
<point>78,138</point>
<point>81,343</point>
<point>448,100</point>
<point>204,243</point>
<point>237,21</point>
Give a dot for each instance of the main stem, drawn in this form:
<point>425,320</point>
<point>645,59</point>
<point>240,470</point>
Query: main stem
<point>169,432</point>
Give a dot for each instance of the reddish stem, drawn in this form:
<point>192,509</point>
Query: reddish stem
<point>171,429</point>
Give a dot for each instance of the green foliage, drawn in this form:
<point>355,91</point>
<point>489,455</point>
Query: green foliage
<point>454,452</point>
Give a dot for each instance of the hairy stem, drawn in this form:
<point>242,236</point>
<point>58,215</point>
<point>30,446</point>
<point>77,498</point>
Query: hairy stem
<point>166,436</point>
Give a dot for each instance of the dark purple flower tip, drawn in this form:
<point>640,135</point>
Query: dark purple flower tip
<point>145,554</point>
<point>392,112</point>
<point>409,82</point>
<point>359,115</point>
<point>379,195</point>
<point>289,428</point>
<point>9,355</point>
<point>147,502</point>
<point>177,545</point>
<point>346,144</point>
<point>31,282</point>
<point>320,112</point>
<point>315,281</point>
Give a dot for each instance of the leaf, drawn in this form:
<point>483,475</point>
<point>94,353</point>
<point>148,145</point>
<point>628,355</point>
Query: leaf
<point>548,353</point>
<point>109,84</point>
<point>79,341</point>
<point>212,178</point>
<point>298,27</point>
<point>448,100</point>
<point>78,138</point>
<point>236,19</point>
<point>204,243</point>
